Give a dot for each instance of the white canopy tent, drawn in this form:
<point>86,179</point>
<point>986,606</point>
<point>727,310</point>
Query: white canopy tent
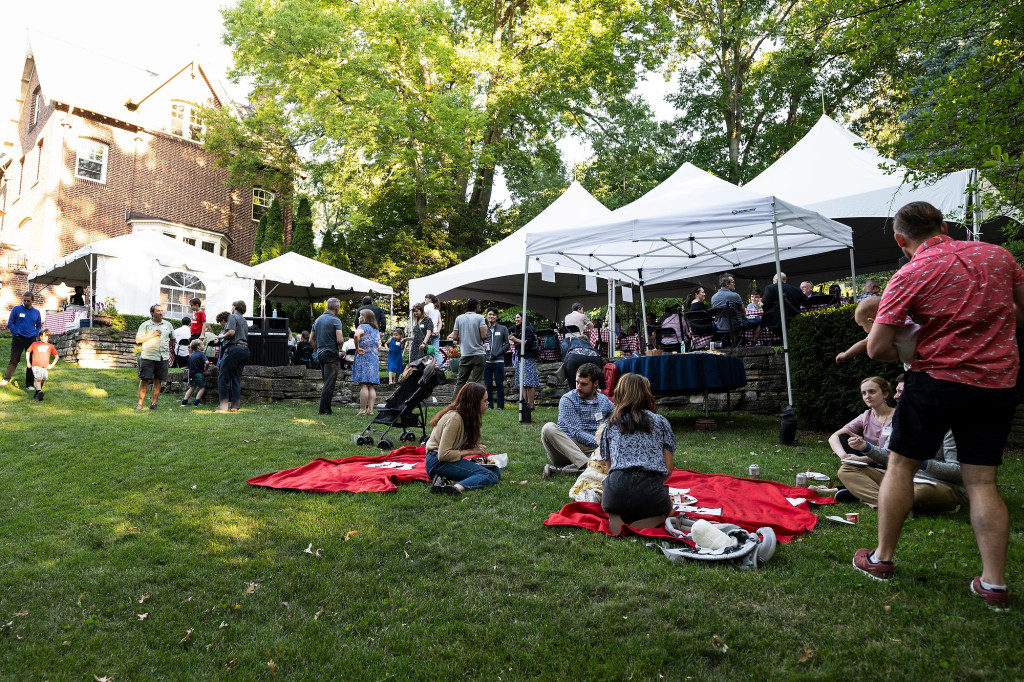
<point>836,173</point>
<point>131,268</point>
<point>692,224</point>
<point>496,273</point>
<point>294,277</point>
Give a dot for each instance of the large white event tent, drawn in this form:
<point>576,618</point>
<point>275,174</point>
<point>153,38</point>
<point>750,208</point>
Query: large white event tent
<point>294,277</point>
<point>496,274</point>
<point>692,224</point>
<point>836,173</point>
<point>130,269</point>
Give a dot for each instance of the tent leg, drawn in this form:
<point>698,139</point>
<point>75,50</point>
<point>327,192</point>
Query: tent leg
<point>853,275</point>
<point>92,290</point>
<point>611,316</point>
<point>782,312</point>
<point>522,337</point>
<point>643,312</point>
<point>263,297</point>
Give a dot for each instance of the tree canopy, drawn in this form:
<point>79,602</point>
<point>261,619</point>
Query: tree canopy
<point>399,115</point>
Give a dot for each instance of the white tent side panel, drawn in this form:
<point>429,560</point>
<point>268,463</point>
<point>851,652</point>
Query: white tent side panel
<point>135,283</point>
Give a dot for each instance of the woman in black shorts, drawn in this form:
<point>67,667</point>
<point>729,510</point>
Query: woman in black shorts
<point>639,445</point>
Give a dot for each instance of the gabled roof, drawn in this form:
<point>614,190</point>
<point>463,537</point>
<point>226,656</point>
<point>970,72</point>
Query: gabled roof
<point>86,79</point>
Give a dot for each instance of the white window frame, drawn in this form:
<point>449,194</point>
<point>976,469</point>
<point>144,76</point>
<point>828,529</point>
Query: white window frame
<point>184,286</point>
<point>185,116</point>
<point>104,162</point>
<point>193,236</point>
<point>262,198</point>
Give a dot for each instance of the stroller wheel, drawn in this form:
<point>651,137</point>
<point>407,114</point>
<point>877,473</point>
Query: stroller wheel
<point>385,444</point>
<point>424,439</point>
<point>363,440</point>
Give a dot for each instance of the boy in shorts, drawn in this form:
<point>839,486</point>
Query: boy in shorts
<point>39,354</point>
<point>197,362</point>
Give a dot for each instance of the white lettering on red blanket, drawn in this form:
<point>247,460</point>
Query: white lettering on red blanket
<point>403,466</point>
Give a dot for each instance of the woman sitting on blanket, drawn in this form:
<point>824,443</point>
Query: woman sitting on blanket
<point>456,433</point>
<point>639,445</point>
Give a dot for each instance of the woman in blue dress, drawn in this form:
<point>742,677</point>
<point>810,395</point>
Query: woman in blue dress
<point>366,368</point>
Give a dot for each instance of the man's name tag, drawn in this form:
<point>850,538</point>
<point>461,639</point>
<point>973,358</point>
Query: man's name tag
<point>598,416</point>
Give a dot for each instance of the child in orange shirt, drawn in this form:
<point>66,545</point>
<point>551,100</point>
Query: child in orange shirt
<point>40,353</point>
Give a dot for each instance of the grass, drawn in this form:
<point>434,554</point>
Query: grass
<point>102,506</point>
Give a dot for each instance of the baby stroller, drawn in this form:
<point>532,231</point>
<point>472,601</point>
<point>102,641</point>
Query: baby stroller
<point>405,407</point>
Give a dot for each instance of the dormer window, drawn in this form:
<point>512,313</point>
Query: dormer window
<point>186,121</point>
<point>37,104</point>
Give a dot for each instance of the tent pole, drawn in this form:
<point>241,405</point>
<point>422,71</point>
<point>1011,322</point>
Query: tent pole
<point>975,205</point>
<point>263,296</point>
<point>522,335</point>
<point>782,311</point>
<point>643,310</point>
<point>611,316</point>
<point>392,308</point>
<point>853,275</point>
<point>92,290</point>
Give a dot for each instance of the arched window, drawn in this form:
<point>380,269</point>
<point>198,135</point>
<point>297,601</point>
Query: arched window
<point>177,289</point>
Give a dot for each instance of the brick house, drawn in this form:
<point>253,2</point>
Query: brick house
<point>102,148</point>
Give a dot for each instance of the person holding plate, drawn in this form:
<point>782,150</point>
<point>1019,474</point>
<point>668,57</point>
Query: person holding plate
<point>456,434</point>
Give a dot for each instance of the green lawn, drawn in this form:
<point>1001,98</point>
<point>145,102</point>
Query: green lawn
<point>134,549</point>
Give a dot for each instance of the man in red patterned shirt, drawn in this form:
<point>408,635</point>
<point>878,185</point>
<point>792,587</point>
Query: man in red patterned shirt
<point>965,296</point>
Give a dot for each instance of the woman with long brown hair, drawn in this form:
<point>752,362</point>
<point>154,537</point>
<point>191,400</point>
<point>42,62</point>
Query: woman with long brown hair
<point>638,444</point>
<point>455,434</point>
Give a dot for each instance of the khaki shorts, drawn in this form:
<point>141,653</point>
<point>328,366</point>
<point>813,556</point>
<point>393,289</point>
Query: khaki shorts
<point>41,373</point>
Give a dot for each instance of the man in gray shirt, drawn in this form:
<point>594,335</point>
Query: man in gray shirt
<point>471,332</point>
<point>327,334</point>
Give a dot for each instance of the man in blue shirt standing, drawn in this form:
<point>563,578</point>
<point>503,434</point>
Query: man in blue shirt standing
<point>571,441</point>
<point>24,325</point>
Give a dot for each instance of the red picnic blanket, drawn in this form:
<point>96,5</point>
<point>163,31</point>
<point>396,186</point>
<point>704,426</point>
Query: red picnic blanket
<point>359,474</point>
<point>745,502</point>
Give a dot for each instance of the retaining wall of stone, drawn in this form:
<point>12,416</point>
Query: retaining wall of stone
<point>102,348</point>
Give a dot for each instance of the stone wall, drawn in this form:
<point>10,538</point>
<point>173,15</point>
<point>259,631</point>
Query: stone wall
<point>96,347</point>
<point>765,392</point>
<point>268,384</point>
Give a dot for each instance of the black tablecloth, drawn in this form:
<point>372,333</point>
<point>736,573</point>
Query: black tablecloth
<point>685,373</point>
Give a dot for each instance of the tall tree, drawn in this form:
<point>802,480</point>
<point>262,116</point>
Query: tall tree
<point>755,75</point>
<point>261,237</point>
<point>409,108</point>
<point>273,240</point>
<point>302,229</point>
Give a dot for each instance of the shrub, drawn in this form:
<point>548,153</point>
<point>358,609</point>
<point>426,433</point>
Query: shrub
<point>826,394</point>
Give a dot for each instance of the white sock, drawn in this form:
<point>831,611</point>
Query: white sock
<point>1000,588</point>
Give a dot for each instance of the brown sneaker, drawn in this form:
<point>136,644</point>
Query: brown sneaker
<point>862,562</point>
<point>998,600</point>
